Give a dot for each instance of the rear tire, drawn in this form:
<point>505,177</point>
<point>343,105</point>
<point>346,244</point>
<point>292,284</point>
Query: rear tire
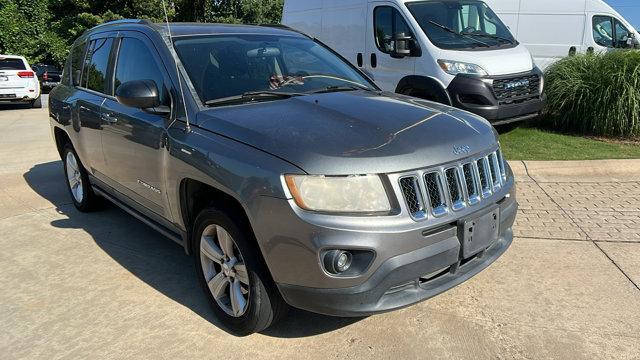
<point>80,190</point>
<point>37,103</point>
<point>227,260</point>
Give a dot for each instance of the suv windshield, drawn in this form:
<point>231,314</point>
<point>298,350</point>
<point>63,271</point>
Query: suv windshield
<point>460,25</point>
<point>223,67</point>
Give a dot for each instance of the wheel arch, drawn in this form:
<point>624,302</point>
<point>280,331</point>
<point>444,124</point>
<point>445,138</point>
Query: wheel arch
<point>424,87</point>
<point>196,196</point>
<point>61,139</point>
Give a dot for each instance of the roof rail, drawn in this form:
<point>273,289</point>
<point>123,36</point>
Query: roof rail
<point>125,21</point>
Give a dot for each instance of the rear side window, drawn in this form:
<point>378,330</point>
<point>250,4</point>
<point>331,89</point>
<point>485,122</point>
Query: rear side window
<point>136,62</point>
<point>97,65</point>
<point>388,22</point>
<point>12,64</point>
<point>77,59</point>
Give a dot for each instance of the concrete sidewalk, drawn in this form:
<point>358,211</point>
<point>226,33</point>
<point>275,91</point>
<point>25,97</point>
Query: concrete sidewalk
<point>578,171</point>
<point>103,285</point>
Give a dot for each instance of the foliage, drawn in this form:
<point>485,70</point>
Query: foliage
<point>525,143</point>
<point>596,94</point>
<point>43,30</point>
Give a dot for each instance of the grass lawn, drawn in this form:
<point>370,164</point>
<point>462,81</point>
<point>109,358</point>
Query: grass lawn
<point>533,144</point>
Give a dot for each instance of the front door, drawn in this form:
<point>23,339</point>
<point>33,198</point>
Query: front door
<point>132,139</point>
<point>385,21</point>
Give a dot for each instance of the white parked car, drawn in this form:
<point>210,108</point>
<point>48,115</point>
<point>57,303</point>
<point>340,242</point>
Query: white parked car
<point>455,52</point>
<point>553,29</point>
<point>18,82</point>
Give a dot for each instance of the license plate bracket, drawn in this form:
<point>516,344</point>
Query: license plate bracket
<point>480,232</point>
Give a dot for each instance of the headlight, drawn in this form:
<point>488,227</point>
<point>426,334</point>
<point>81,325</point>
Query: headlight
<point>456,67</point>
<point>333,194</point>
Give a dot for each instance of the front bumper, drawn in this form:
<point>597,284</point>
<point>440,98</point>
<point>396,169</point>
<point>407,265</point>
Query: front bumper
<point>477,95</point>
<point>406,278</point>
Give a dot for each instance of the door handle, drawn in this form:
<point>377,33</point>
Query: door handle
<point>360,60</point>
<point>109,118</point>
<point>374,60</point>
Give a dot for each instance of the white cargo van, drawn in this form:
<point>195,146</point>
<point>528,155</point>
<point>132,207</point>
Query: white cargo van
<point>456,52</point>
<point>554,29</point>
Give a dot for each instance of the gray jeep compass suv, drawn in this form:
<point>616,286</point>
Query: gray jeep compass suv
<point>284,170</point>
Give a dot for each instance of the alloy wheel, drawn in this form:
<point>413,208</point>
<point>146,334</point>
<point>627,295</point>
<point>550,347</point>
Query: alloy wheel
<point>224,270</point>
<point>74,177</point>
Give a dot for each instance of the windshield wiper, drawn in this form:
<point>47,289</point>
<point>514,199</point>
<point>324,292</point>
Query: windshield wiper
<point>464,35</point>
<point>252,96</point>
<point>490,36</point>
<point>330,89</point>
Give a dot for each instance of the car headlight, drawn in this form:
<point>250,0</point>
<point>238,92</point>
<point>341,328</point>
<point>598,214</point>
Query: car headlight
<point>339,194</point>
<point>456,67</point>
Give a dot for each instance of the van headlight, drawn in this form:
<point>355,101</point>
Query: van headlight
<point>339,194</point>
<point>457,67</point>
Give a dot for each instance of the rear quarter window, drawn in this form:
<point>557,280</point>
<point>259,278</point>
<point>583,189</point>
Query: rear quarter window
<point>12,64</point>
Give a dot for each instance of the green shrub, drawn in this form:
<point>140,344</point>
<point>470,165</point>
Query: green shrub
<point>595,94</point>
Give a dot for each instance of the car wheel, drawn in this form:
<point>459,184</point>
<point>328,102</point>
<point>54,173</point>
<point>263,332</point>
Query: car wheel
<point>37,103</point>
<point>78,183</point>
<point>233,275</point>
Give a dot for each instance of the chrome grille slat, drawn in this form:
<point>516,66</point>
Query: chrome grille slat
<point>436,193</point>
<point>434,188</point>
<point>473,195</point>
<point>454,184</point>
<point>413,197</point>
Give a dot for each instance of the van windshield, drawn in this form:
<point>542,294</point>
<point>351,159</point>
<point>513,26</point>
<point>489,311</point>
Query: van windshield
<point>461,25</point>
<point>229,68</point>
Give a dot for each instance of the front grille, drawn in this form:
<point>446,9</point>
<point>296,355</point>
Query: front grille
<point>411,193</point>
<point>453,188</point>
<point>517,90</point>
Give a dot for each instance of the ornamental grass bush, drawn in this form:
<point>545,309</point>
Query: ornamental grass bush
<point>595,94</point>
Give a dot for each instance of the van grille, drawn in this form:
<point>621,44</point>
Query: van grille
<point>453,188</point>
<point>517,90</point>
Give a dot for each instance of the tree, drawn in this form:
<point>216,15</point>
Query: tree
<point>43,30</point>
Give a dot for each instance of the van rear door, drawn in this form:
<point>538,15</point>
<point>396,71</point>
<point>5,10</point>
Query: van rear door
<point>385,22</point>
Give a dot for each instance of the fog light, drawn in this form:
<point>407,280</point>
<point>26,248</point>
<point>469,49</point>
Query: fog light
<point>338,261</point>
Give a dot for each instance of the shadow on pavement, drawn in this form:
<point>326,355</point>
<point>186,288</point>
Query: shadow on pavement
<point>156,260</point>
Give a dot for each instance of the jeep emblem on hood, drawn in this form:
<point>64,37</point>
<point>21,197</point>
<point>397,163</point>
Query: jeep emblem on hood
<point>461,150</point>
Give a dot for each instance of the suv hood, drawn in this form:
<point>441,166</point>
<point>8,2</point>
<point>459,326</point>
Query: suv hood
<point>496,62</point>
<point>353,132</point>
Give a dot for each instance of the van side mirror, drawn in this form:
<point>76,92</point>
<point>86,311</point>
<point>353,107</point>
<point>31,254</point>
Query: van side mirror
<point>404,46</point>
<point>140,94</point>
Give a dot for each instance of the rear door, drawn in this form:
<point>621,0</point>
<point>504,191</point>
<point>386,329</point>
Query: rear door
<point>93,86</point>
<point>385,21</point>
<point>133,138</point>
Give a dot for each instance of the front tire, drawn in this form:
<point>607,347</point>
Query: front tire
<point>78,183</point>
<point>233,275</point>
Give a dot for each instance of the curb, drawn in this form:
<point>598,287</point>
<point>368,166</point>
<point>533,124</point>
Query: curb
<point>577,171</point>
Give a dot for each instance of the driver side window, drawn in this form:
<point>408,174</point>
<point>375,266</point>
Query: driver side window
<point>603,31</point>
<point>387,23</point>
<point>622,34</point>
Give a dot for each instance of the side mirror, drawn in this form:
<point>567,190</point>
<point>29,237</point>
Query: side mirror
<point>140,94</point>
<point>404,46</point>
